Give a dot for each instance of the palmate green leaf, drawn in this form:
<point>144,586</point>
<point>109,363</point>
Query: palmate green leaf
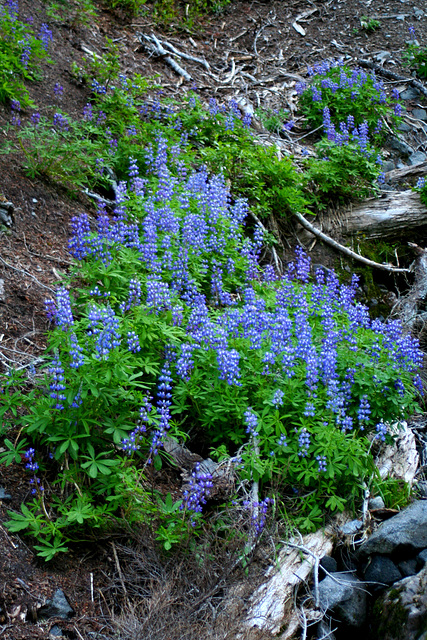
<point>48,550</point>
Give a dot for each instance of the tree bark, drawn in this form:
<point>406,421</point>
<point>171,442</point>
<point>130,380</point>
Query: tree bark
<point>397,215</point>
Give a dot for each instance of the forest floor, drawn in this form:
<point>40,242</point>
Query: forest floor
<point>256,50</point>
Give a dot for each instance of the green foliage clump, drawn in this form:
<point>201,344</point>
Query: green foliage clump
<point>272,119</point>
<point>175,330</point>
<point>346,92</point>
<point>341,172</point>
<point>73,12</point>
<point>369,24</point>
<point>20,54</point>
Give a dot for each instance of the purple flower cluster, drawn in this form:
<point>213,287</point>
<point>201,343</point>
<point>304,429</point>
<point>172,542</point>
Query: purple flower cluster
<point>32,465</point>
<point>251,421</point>
<point>104,324</point>
<point>57,386</point>
<point>258,511</point>
<point>198,491</point>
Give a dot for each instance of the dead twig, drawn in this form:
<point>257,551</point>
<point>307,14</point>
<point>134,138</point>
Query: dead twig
<point>345,250</point>
<point>155,48</point>
<point>29,275</point>
<point>185,56</point>
<point>119,571</point>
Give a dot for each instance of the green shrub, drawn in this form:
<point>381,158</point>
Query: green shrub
<point>20,53</point>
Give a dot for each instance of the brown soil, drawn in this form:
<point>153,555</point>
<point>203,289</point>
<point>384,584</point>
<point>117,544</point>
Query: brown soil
<point>257,37</point>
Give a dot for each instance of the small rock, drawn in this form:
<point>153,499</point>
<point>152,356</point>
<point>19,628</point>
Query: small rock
<point>382,571</point>
<point>55,632</point>
<point>408,567</point>
<point>328,563</point>
<point>351,528</point>
<point>57,607</point>
<point>4,495</point>
<point>418,13</point>
<point>405,531</point>
<point>376,503</point>
<point>404,127</point>
<point>388,166</point>
<point>345,596</point>
<point>422,558</point>
<point>421,487</point>
<point>410,94</point>
<point>400,146</point>
<point>420,114</point>
<point>417,157</point>
<point>401,612</point>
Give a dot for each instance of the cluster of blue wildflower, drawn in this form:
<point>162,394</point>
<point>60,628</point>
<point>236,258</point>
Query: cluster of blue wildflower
<point>296,343</point>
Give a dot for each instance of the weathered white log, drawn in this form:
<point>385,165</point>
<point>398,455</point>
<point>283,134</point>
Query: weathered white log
<point>407,307</point>
<point>395,215</point>
<point>272,605</point>
<point>399,460</point>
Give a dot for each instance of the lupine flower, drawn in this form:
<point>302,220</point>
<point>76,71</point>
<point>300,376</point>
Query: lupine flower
<point>131,444</point>
<point>321,461</point>
<point>164,396</point>
<point>33,466</point>
<point>56,386</point>
<point>382,430</point>
<point>421,183</point>
<point>258,513</point>
<point>58,90</point>
<point>277,399</point>
<point>26,53</point>
<point>35,118</point>
<point>88,112</point>
<point>251,421</point>
<point>76,353</point>
<point>104,324</point>
<point>364,410</point>
<point>195,496</point>
<point>133,342</point>
<point>228,366</point>
<point>45,36</point>
<point>282,441</point>
<point>59,121</point>
<point>64,315</point>
<point>15,105</point>
<point>303,443</point>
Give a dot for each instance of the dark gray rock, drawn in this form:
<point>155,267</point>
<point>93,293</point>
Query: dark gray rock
<point>388,166</point>
<point>400,613</point>
<point>406,531</point>
<point>57,607</point>
<point>422,558</point>
<point>408,567</point>
<point>410,94</point>
<point>55,632</point>
<point>345,596</point>
<point>421,487</point>
<point>376,503</point>
<point>351,528</point>
<point>4,495</point>
<point>420,114</point>
<point>381,570</point>
<point>328,563</point>
<point>403,126</point>
<point>401,146</point>
<point>417,157</point>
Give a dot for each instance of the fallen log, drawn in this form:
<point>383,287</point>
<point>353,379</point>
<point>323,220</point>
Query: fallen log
<point>397,215</point>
